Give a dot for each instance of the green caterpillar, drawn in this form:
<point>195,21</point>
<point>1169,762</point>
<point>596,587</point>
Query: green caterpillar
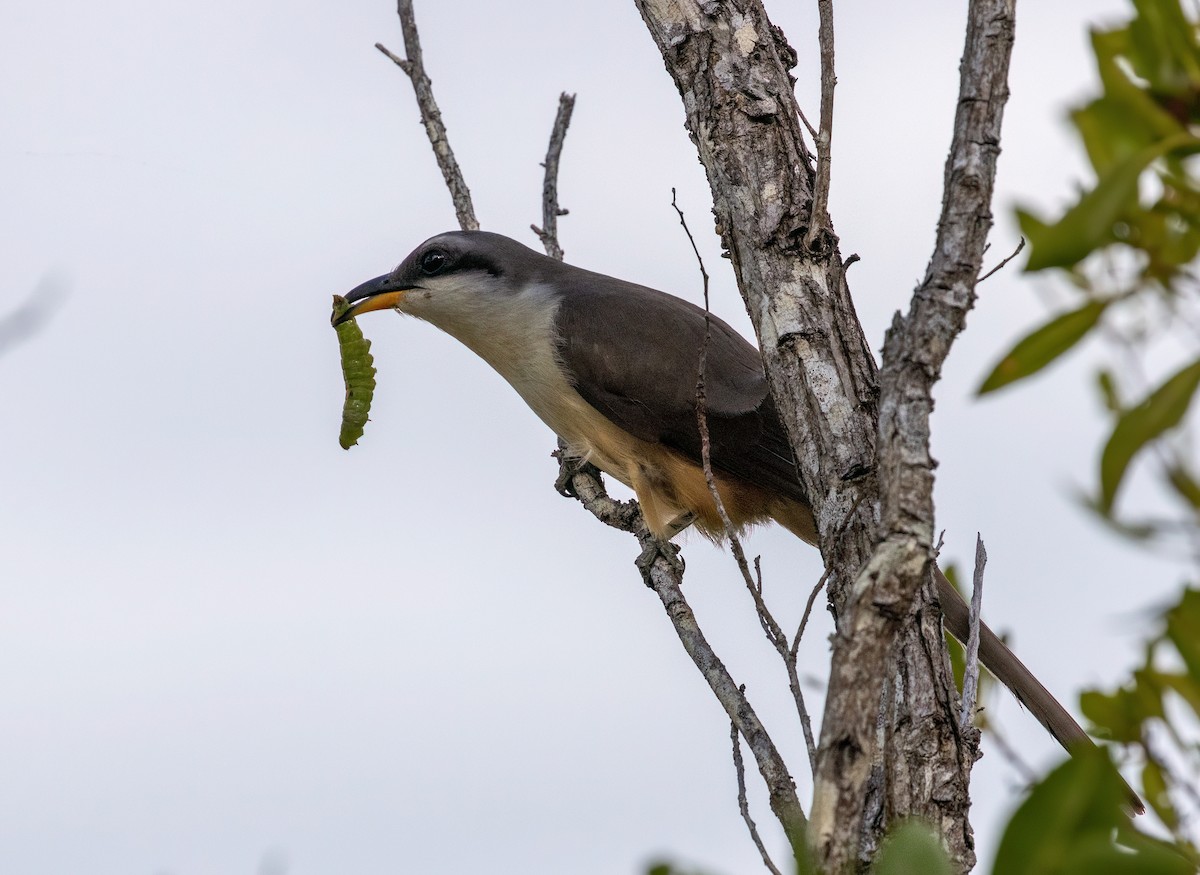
<point>358,372</point>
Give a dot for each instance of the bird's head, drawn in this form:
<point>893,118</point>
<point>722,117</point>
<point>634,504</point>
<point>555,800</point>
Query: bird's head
<point>451,279</point>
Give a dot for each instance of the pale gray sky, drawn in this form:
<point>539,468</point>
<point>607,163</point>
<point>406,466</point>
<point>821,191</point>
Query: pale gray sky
<point>228,646</point>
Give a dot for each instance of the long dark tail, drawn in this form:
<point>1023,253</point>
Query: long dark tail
<point>795,515</point>
<point>1011,672</point>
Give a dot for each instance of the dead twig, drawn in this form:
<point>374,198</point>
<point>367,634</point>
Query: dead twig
<point>812,132</point>
<point>743,802</point>
<point>548,233</point>
<point>773,631</point>
<point>819,219</point>
<point>664,574</point>
<point>1015,253</point>
<point>770,627</point>
<point>970,691</point>
<point>431,116</point>
<point>812,597</point>
<point>659,563</point>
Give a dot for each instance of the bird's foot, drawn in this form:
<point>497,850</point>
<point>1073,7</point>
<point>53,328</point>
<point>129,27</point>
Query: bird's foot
<point>652,550</point>
<point>568,467</point>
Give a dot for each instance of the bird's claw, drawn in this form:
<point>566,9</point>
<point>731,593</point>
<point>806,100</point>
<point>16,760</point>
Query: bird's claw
<point>652,549</point>
<point>568,467</point>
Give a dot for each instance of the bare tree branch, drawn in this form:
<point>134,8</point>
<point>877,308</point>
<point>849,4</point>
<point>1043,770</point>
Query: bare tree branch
<point>431,116</point>
<point>1005,261</point>
<point>663,572</point>
<point>824,140</point>
<point>971,671</point>
<point>744,803</point>
<point>914,350</point>
<point>548,233</point>
<point>661,568</point>
<point>730,65</point>
<point>773,631</point>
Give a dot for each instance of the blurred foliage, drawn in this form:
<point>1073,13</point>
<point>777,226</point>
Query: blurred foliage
<point>1072,824</point>
<point>663,868</point>
<point>1129,245</point>
<point>1150,715</point>
<point>911,847</point>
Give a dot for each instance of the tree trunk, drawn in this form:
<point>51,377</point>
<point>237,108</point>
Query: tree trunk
<point>890,746</point>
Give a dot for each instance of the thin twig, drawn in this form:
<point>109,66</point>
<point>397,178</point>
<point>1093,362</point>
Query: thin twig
<point>770,628</point>
<point>794,679</point>
<point>664,574</point>
<point>548,233</point>
<point>773,631</point>
<point>793,657</point>
<point>1015,253</point>
<point>812,597</point>
<point>819,220</point>
<point>812,132</point>
<point>970,691</point>
<point>743,803</point>
<point>431,116</point>
<point>659,563</point>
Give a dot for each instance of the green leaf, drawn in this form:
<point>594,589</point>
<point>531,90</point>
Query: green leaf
<point>1161,410</point>
<point>1119,715</point>
<point>1112,130</point>
<point>1185,485</point>
<point>1089,224</point>
<point>912,848</point>
<point>1042,346</point>
<point>1183,628</point>
<point>1111,49</point>
<point>669,869</point>
<point>958,659</point>
<point>1080,797</point>
<point>1068,823</point>
<point>1186,686</point>
<point>1108,390</point>
<point>1154,791</point>
<point>1162,47</point>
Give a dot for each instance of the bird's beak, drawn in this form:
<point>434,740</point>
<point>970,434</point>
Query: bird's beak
<point>381,293</point>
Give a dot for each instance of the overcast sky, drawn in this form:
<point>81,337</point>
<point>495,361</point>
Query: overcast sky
<point>228,646</point>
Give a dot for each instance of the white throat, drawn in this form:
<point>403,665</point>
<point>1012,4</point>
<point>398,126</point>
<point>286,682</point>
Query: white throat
<point>514,333</point>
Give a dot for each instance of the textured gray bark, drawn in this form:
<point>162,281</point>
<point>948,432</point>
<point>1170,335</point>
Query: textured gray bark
<point>414,67</point>
<point>890,743</point>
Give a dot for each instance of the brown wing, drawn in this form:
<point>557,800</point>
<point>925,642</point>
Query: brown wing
<point>633,353</point>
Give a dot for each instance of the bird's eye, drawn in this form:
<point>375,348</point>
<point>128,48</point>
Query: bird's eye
<point>433,262</point>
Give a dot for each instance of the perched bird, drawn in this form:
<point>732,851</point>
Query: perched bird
<point>611,367</point>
